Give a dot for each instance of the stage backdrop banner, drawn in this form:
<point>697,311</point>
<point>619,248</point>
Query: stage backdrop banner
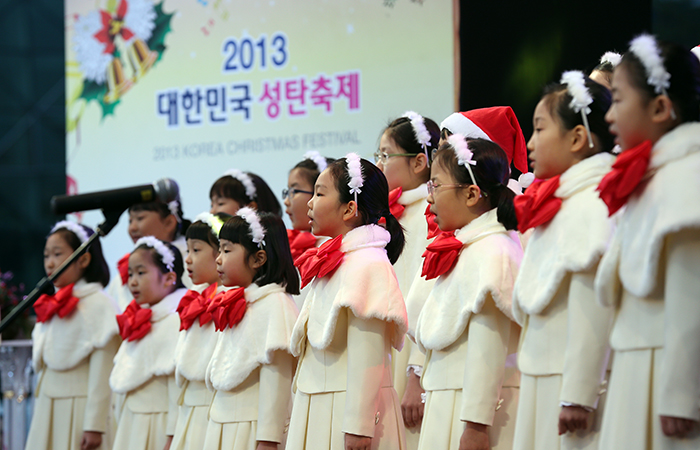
<point>187,89</point>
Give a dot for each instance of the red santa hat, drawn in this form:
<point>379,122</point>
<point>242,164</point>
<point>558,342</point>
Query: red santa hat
<point>696,51</point>
<point>497,124</point>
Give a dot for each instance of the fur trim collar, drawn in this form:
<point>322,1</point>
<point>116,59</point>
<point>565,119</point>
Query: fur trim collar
<point>488,265</point>
<point>666,204</point>
<point>194,349</point>
<point>137,362</point>
<point>365,283</point>
<point>414,195</point>
<point>61,344</point>
<point>266,327</point>
<point>573,241</point>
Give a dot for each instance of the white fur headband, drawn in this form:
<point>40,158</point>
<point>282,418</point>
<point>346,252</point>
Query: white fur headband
<point>73,228</point>
<point>316,157</point>
<point>465,157</point>
<point>245,180</point>
<point>257,232</point>
<point>213,221</point>
<point>354,166</point>
<point>613,58</point>
<point>420,131</point>
<point>581,98</point>
<point>166,255</point>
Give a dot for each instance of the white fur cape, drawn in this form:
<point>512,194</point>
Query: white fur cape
<point>266,327</point>
<point>573,241</point>
<point>137,362</point>
<point>195,347</point>
<point>666,204</point>
<point>61,344</point>
<point>488,264</point>
<point>364,282</point>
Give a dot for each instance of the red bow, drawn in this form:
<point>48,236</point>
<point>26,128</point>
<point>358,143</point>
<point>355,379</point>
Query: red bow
<point>537,205</point>
<point>433,228</point>
<point>395,208</point>
<point>319,262</point>
<point>194,305</point>
<point>112,26</point>
<point>300,241</point>
<point>626,174</point>
<point>440,255</point>
<point>135,323</point>
<point>123,266</point>
<point>62,303</point>
<point>227,308</point>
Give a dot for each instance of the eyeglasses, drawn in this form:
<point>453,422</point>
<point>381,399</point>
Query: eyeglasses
<point>383,157</point>
<point>288,193</point>
<point>432,187</point>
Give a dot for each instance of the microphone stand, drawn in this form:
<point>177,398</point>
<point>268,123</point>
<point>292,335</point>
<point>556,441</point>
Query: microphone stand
<point>45,286</point>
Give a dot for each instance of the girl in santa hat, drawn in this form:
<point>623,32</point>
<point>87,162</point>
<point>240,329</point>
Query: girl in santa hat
<point>651,272</point>
<point>564,341</point>
<point>465,326</point>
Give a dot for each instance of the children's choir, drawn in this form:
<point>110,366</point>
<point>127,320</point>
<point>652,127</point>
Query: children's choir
<point>427,301</point>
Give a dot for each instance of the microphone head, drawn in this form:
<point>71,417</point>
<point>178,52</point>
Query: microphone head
<point>167,190</point>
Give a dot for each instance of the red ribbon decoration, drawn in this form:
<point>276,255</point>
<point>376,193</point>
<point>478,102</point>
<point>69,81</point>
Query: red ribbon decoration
<point>440,256</point>
<point>62,303</point>
<point>194,305</point>
<point>228,308</point>
<point>123,266</point>
<point>617,186</point>
<point>113,26</point>
<point>537,205</point>
<point>395,208</point>
<point>135,323</point>
<point>319,262</point>
<point>300,241</point>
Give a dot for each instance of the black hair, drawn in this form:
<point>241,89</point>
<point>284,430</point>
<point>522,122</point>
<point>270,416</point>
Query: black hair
<point>309,170</point>
<point>684,68</point>
<point>202,231</point>
<point>372,202</point>
<point>230,187</point>
<point>164,211</point>
<point>557,99</point>
<point>98,270</point>
<point>401,131</point>
<point>491,173</point>
<point>279,267</point>
<point>178,265</point>
<point>444,134</point>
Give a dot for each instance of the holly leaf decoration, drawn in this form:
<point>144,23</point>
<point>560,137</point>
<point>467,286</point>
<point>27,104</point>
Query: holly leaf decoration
<point>162,27</point>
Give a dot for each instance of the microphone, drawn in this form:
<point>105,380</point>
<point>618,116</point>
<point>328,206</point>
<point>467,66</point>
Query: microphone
<point>164,190</point>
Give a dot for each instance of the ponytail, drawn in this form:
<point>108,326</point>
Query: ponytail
<point>398,240</point>
<point>505,207</point>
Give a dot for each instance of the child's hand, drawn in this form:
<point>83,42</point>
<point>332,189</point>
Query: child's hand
<point>266,445</point>
<point>91,440</point>
<point>572,418</point>
<point>676,426</point>
<point>412,405</point>
<point>355,442</point>
<point>168,441</point>
<point>475,437</point>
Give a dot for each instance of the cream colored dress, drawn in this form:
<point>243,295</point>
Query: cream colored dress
<point>192,354</point>
<point>564,347</point>
<point>144,375</point>
<point>465,329</point>
<point>651,275</point>
<point>343,338</point>
<point>72,357</point>
<point>250,372</point>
